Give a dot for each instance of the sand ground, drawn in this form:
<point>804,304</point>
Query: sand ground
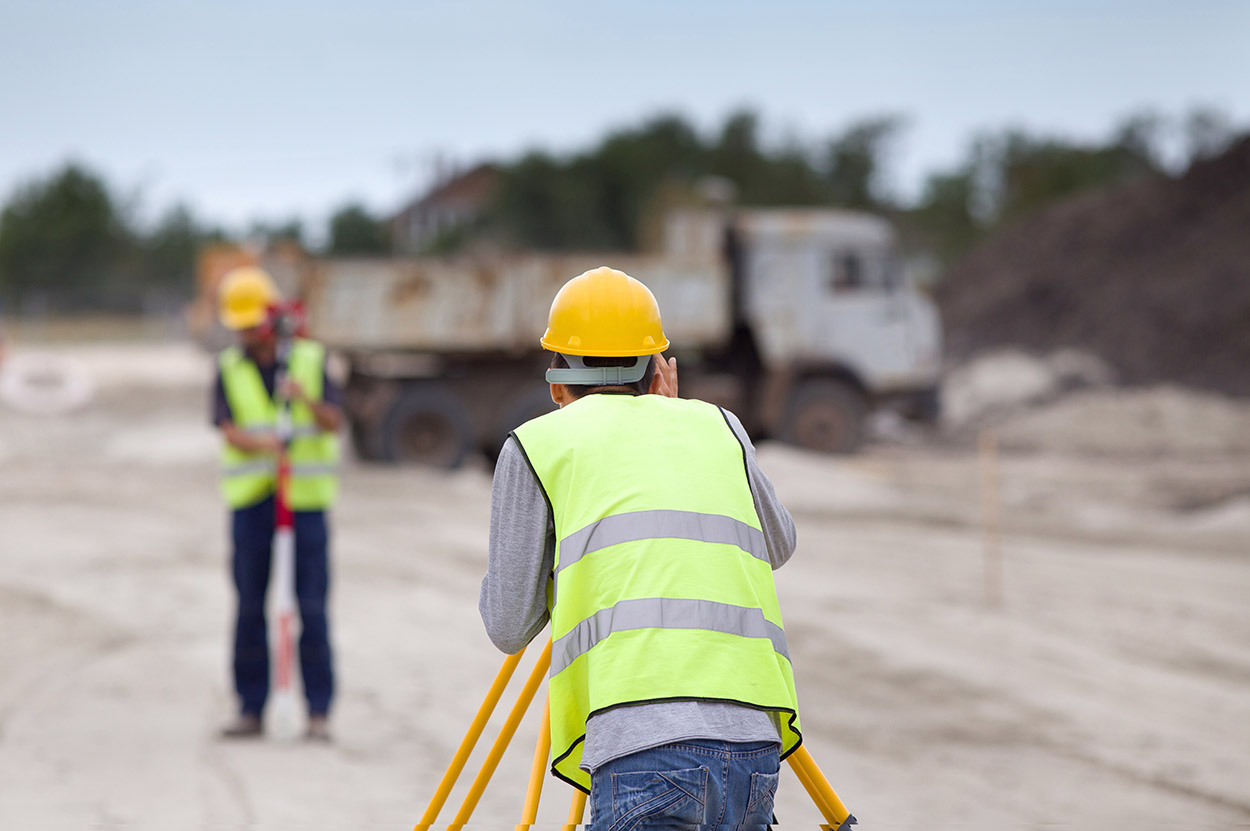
<point>1108,686</point>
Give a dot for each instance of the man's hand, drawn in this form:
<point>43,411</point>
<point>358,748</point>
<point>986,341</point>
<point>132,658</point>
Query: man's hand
<point>270,444</point>
<point>291,390</point>
<point>664,382</point>
<point>251,442</point>
<point>327,416</point>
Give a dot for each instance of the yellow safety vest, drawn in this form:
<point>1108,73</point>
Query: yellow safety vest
<point>247,478</point>
<point>662,588</point>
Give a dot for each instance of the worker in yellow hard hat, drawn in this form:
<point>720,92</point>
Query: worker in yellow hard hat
<point>640,525</point>
<point>245,411</point>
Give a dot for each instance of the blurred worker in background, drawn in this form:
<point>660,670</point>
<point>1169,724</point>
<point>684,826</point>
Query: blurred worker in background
<point>642,527</point>
<point>245,409</point>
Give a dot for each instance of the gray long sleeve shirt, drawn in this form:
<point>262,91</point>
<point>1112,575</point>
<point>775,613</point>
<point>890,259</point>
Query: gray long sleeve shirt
<point>513,604</point>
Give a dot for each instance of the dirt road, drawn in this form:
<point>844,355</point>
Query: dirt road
<point>1108,688</point>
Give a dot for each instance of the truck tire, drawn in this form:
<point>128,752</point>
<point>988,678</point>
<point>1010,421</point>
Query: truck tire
<point>529,404</point>
<point>366,441</point>
<point>926,406</point>
<point>825,415</point>
<point>426,425</point>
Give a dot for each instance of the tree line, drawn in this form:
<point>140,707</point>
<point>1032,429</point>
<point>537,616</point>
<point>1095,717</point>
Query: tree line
<point>604,197</point>
<point>69,242</point>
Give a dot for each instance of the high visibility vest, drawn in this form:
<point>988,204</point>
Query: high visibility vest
<point>247,478</point>
<point>662,588</point>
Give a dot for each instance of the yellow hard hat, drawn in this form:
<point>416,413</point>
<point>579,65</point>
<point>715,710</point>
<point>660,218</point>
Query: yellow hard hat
<point>245,295</point>
<point>604,313</point>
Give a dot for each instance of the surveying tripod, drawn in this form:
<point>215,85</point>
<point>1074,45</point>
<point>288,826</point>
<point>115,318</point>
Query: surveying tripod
<point>837,817</point>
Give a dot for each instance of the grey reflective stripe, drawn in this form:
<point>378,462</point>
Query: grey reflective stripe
<point>314,469</point>
<point>272,430</point>
<point>665,613</point>
<point>249,468</point>
<point>311,469</point>
<point>649,525</point>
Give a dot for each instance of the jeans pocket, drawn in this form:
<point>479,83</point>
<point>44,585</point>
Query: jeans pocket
<point>658,797</point>
<point>760,800</point>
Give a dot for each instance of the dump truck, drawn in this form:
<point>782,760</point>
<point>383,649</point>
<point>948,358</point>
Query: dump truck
<point>799,321</point>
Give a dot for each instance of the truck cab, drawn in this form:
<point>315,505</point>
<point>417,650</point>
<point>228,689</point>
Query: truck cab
<point>826,326</point>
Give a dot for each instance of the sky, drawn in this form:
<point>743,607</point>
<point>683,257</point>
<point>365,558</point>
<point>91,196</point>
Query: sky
<point>279,108</point>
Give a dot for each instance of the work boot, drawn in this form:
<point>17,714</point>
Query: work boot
<point>244,726</point>
<point>318,729</point>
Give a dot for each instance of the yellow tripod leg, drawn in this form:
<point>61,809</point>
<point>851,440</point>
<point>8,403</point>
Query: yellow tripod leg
<point>576,809</point>
<point>542,750</point>
<point>470,740</point>
<point>501,742</point>
<point>819,789</point>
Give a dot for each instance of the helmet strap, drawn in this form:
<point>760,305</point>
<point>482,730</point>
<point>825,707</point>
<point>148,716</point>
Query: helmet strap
<point>597,376</point>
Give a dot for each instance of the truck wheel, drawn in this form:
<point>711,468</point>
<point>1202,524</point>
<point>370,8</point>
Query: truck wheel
<point>926,406</point>
<point>529,404</point>
<point>426,425</point>
<point>366,441</point>
<point>825,415</point>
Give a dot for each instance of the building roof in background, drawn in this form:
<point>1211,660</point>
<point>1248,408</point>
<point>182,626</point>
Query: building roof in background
<point>466,192</point>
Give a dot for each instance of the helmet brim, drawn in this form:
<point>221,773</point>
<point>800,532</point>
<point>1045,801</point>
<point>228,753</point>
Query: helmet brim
<point>243,319</point>
<point>591,352</point>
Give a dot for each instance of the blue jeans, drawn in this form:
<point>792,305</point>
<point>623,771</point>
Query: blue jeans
<point>252,532</point>
<point>691,784</point>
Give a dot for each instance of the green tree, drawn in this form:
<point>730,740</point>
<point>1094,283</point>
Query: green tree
<point>289,230</point>
<point>1141,135</point>
<point>631,167</point>
<point>353,230</point>
<point>62,237</point>
<point>945,216</point>
<point>167,254</point>
<point>1208,132</point>
<point>1022,174</point>
<point>736,154</point>
<point>547,204</point>
<point>1010,174</point>
<point>856,162</point>
<point>607,197</point>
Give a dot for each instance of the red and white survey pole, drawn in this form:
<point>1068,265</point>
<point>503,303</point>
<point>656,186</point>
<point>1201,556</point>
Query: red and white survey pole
<point>287,323</point>
<point>282,594</point>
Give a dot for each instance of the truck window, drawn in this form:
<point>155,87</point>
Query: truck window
<point>848,271</point>
<point>860,270</point>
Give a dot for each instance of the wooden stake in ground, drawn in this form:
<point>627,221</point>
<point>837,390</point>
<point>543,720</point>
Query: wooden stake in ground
<point>993,572</point>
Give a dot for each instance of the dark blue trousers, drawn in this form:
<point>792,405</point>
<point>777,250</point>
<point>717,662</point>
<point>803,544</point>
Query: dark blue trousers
<point>252,532</point>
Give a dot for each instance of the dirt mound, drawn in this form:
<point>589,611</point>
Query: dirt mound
<point>1153,277</point>
<point>1004,380</point>
<point>1150,422</point>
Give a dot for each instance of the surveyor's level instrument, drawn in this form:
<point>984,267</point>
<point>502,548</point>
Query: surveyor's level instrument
<point>837,817</point>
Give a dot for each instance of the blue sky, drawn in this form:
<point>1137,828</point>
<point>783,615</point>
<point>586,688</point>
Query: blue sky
<point>274,108</point>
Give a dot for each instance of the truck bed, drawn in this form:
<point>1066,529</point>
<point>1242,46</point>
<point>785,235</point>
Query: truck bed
<point>493,305</point>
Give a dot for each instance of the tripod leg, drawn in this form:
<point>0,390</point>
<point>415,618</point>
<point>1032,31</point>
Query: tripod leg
<point>576,809</point>
<point>819,789</point>
<point>806,781</point>
<point>470,740</point>
<point>501,742</point>
<point>542,751</point>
